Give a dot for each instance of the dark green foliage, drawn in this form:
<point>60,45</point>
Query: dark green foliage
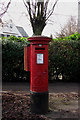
<point>13,58</point>
<point>64,58</point>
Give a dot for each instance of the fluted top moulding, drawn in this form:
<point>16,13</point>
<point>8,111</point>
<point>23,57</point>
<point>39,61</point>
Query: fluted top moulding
<point>39,39</point>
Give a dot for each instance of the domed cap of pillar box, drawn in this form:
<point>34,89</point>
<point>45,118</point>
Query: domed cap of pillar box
<point>39,39</point>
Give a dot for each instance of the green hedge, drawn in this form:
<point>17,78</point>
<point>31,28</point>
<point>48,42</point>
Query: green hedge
<point>13,59</point>
<point>64,58</point>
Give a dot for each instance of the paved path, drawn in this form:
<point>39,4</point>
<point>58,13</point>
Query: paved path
<point>56,87</point>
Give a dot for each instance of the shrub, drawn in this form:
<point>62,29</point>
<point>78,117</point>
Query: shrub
<point>64,58</point>
<point>13,58</point>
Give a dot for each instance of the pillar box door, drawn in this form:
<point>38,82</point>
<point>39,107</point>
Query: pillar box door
<point>39,68</point>
<point>39,73</point>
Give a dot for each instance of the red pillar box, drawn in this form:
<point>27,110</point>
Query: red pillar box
<point>39,73</point>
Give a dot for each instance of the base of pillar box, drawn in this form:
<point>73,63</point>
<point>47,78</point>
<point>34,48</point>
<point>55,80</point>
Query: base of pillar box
<point>39,102</point>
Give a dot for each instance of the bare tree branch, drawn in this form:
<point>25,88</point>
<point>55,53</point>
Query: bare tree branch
<point>42,8</point>
<point>4,10</point>
<point>70,28</point>
<point>26,5</point>
<point>45,7</point>
<point>30,10</point>
<point>51,11</point>
<point>38,13</point>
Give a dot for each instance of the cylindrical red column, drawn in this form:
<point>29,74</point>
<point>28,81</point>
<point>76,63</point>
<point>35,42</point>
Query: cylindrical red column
<point>39,73</point>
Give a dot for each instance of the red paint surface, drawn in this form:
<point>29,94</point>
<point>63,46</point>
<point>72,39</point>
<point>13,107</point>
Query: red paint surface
<point>39,72</point>
<point>39,39</point>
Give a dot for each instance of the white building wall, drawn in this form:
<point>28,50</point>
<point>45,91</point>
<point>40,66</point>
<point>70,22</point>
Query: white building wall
<point>8,28</point>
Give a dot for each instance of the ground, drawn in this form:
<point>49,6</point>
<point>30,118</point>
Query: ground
<point>63,102</point>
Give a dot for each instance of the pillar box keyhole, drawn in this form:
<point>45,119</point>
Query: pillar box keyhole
<point>36,61</point>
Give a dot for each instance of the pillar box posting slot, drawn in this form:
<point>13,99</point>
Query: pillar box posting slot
<point>39,73</point>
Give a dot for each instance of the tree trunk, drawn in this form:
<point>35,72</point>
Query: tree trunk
<point>38,27</point>
<point>39,14</point>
